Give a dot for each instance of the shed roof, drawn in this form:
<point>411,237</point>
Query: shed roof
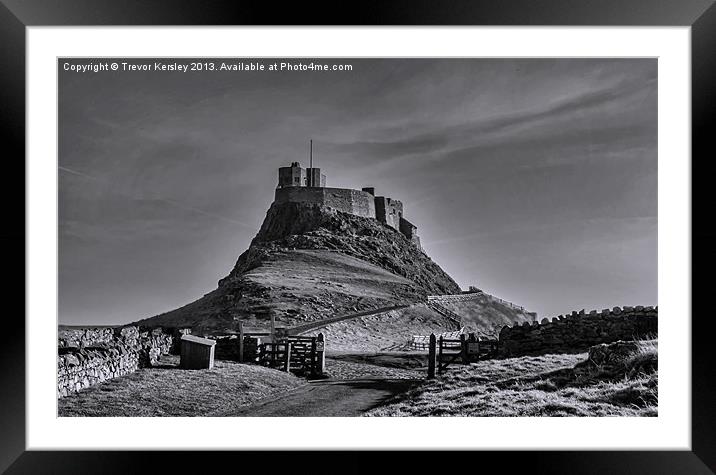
<point>199,340</point>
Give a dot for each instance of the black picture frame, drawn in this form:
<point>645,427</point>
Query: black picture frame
<point>17,15</point>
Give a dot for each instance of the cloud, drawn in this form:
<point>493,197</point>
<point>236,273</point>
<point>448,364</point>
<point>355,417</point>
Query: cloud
<point>585,118</point>
<point>165,179</point>
<point>135,198</point>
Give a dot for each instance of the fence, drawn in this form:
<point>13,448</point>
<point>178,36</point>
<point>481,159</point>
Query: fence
<point>472,296</point>
<point>443,352</point>
<point>299,354</point>
<point>422,342</point>
<point>436,306</point>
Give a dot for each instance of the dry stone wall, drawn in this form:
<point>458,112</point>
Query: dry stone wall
<point>578,331</point>
<point>81,368</point>
<point>82,337</point>
<point>86,357</point>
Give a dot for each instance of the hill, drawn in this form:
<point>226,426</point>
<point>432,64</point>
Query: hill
<point>309,262</point>
<point>483,313</point>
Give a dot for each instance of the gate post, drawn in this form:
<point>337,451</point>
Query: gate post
<point>431,357</point>
<point>463,349</point>
<point>476,356</point>
<point>312,357</point>
<point>320,354</point>
<point>287,360</point>
<point>440,355</point>
<point>241,342</point>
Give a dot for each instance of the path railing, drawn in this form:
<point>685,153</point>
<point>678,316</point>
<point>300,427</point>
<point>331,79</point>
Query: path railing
<point>446,312</point>
<point>472,296</point>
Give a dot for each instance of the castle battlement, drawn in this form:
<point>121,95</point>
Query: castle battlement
<point>299,185</point>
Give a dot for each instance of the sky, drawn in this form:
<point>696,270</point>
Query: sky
<point>532,179</point>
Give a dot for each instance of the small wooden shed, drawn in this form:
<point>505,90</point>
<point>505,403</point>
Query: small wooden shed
<point>197,352</point>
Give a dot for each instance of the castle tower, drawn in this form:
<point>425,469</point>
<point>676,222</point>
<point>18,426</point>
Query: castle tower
<point>295,175</point>
<point>291,176</point>
<point>314,177</point>
<point>388,211</point>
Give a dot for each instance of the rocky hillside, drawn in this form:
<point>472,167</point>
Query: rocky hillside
<point>301,226</point>
<point>309,262</point>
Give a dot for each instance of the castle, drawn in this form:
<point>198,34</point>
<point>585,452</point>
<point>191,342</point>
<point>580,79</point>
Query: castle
<point>308,185</point>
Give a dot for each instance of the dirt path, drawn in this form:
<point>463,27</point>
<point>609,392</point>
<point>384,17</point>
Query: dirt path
<point>353,389</point>
<point>329,398</point>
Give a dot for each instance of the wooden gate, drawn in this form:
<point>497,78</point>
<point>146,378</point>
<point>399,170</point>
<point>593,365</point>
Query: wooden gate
<point>303,355</point>
<point>445,351</point>
<point>449,350</point>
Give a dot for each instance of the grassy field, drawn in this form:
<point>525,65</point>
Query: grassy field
<point>550,385</point>
<point>170,391</point>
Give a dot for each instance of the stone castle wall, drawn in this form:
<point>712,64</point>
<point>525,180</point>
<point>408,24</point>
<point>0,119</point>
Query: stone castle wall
<point>358,203</point>
<point>389,211</point>
<point>89,356</point>
<point>578,331</point>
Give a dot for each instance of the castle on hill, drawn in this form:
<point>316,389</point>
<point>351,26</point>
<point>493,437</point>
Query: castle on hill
<point>308,185</point>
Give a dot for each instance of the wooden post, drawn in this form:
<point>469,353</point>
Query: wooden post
<point>273,327</point>
<point>440,354</point>
<point>431,357</point>
<point>287,361</point>
<point>314,361</point>
<point>320,354</point>
<point>463,349</point>
<point>241,342</point>
<point>473,339</point>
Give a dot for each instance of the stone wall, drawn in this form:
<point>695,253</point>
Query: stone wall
<point>81,337</point>
<point>358,203</point>
<point>410,231</point>
<point>578,331</point>
<point>89,356</point>
<point>388,211</point>
<point>78,369</point>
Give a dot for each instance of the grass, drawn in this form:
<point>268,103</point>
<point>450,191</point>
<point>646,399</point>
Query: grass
<point>297,286</point>
<point>549,385</point>
<point>374,333</point>
<point>170,391</point>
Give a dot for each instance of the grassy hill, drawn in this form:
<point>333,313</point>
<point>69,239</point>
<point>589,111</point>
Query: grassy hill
<point>309,262</point>
<point>296,286</point>
<point>378,332</point>
<point>485,314</point>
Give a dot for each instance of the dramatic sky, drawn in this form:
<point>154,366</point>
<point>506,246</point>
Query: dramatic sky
<point>533,179</point>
